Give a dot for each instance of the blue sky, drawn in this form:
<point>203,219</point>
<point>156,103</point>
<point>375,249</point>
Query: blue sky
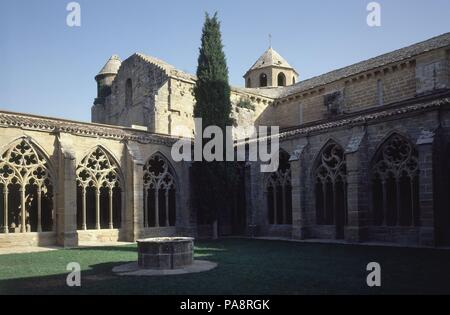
<point>48,68</point>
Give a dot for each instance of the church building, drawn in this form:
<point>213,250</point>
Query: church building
<point>363,156</point>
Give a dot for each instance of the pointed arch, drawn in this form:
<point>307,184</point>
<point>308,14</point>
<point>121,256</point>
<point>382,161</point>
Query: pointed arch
<point>395,182</point>
<point>330,175</point>
<point>27,181</point>
<point>160,192</point>
<point>278,190</point>
<point>99,190</point>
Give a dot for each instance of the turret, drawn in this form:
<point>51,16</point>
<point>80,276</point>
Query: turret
<point>105,78</point>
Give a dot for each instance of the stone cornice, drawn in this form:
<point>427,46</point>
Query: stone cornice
<point>367,117</point>
<point>55,125</point>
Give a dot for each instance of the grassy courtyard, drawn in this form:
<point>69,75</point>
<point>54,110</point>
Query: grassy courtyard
<point>245,267</point>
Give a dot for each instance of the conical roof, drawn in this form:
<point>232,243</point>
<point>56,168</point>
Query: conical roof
<point>270,58</point>
<point>112,66</point>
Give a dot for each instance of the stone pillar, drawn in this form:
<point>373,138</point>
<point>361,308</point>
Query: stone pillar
<point>110,207</point>
<point>5,209</point>
<point>299,229</point>
<point>66,194</point>
<point>133,219</point>
<point>256,200</point>
<point>39,209</point>
<point>357,187</point>
<point>426,188</point>
<point>83,214</point>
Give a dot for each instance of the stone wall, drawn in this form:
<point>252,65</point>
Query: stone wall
<point>391,83</point>
<point>360,142</point>
<point>65,149</point>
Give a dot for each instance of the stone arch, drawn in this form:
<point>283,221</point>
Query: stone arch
<point>278,190</point>
<point>160,192</point>
<point>330,184</point>
<point>281,79</point>
<point>394,173</point>
<point>27,183</point>
<point>99,190</point>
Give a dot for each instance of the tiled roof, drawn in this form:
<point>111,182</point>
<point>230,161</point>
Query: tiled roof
<point>47,124</point>
<point>270,58</point>
<point>395,56</point>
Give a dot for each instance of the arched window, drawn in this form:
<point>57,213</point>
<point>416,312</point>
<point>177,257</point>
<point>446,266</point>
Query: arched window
<point>293,80</point>
<point>159,193</point>
<point>249,83</point>
<point>331,187</point>
<point>395,183</point>
<point>279,193</point>
<point>281,79</point>
<point>263,80</point>
<point>129,93</point>
<point>26,190</point>
<point>99,194</point>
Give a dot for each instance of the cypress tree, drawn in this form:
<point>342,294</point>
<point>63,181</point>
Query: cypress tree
<point>212,181</point>
<point>212,91</point>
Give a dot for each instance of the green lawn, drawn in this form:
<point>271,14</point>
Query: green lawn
<point>245,267</point>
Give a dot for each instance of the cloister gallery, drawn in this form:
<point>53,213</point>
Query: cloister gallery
<point>362,156</point>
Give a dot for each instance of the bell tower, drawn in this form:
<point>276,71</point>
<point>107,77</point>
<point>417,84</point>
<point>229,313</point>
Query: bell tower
<point>270,70</point>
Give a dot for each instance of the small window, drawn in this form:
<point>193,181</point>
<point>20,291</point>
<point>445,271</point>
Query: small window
<point>293,80</point>
<point>281,79</point>
<point>249,83</point>
<point>263,80</point>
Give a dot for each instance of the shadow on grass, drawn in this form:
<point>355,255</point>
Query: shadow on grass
<point>245,267</point>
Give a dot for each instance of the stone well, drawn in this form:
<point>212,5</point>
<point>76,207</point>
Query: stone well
<point>165,253</point>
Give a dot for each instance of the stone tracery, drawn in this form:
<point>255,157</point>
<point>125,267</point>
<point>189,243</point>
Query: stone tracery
<point>27,189</point>
<point>395,174</point>
<point>279,193</point>
<point>159,193</point>
<point>331,186</point>
<point>98,174</point>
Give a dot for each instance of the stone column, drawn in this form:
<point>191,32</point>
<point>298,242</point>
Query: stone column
<point>83,214</point>
<point>23,211</point>
<point>66,212</point>
<point>39,209</point>
<point>133,193</point>
<point>299,229</point>
<point>111,219</point>
<point>5,208</point>
<point>156,207</point>
<point>357,187</point>
<point>426,188</point>
<point>97,209</point>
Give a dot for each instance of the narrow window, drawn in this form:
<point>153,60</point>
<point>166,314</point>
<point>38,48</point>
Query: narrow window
<point>128,93</point>
<point>263,80</point>
<point>281,79</point>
